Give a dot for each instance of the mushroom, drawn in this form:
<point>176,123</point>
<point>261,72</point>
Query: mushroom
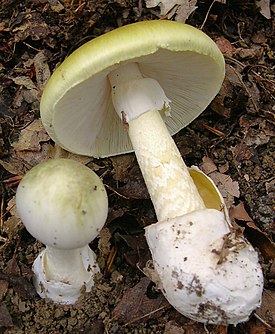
<point>205,267</point>
<point>131,89</point>
<point>63,204</point>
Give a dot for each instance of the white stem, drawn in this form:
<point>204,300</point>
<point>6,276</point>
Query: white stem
<point>66,265</point>
<point>168,181</point>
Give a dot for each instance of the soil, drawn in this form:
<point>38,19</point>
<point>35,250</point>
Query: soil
<point>232,141</point>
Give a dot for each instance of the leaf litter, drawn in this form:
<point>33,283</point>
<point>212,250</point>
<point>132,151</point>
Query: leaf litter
<point>233,141</point>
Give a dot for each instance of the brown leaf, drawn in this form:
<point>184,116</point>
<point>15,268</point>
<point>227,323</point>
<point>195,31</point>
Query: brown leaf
<point>228,188</point>
<point>3,290</point>
<point>127,171</point>
<point>31,137</point>
<point>5,317</point>
<point>225,46</point>
<point>135,189</point>
<point>42,70</point>
<point>208,166</point>
<point>267,309</point>
<point>135,306</point>
<point>260,240</point>
<point>239,212</point>
<point>191,327</point>
<point>172,328</point>
<point>122,165</point>
<point>56,6</point>
<point>242,152</point>
<point>259,38</point>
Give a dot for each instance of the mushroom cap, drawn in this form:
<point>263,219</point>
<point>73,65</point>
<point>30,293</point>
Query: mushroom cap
<point>76,105</point>
<point>62,203</point>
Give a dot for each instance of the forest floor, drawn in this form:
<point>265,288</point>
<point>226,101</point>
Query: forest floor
<point>232,142</point>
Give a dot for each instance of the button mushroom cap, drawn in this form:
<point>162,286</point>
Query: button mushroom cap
<point>63,204</point>
<point>206,270</point>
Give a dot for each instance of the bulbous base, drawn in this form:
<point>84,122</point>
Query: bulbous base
<point>206,270</point>
<point>61,291</point>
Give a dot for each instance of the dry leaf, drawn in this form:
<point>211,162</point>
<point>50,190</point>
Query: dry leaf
<point>208,166</point>
<point>25,82</point>
<point>56,6</point>
<point>238,212</point>
<point>225,46</point>
<point>260,240</point>
<point>228,188</point>
<point>42,71</point>
<point>264,6</point>
<point>181,8</point>
<point>5,318</point>
<point>172,328</point>
<point>135,306</point>
<point>267,309</point>
<point>31,137</point>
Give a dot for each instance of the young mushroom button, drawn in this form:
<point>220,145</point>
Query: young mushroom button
<point>153,78</point>
<point>63,204</point>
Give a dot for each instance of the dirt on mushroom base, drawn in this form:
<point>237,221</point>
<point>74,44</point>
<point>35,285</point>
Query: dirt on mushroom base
<point>235,134</point>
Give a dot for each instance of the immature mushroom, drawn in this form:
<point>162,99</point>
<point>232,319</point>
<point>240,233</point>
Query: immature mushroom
<point>152,78</point>
<point>63,204</point>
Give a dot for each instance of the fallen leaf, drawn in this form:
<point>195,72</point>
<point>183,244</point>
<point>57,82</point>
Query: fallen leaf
<point>238,212</point>
<point>257,137</point>
<point>260,240</point>
<point>33,26</point>
<point>208,166</point>
<point>135,189</point>
<point>228,188</point>
<point>230,94</point>
<point>14,166</point>
<point>122,164</point>
<point>56,6</point>
<point>264,6</point>
<point>181,8</point>
<point>25,82</point>
<point>135,306</point>
<point>127,171</point>
<point>242,152</point>
<point>31,137</point>
<point>3,290</point>
<point>225,46</point>
<point>267,309</point>
<point>5,317</point>
<point>259,38</point>
<point>42,71</point>
<point>172,328</point>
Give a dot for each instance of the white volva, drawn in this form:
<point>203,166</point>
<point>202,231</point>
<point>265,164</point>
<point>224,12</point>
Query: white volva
<point>205,270</point>
<point>63,204</point>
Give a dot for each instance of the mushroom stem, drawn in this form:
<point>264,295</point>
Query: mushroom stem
<point>63,264</point>
<point>142,100</point>
<point>167,178</point>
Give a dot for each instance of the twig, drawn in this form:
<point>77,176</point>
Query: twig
<point>116,192</point>
<point>207,14</point>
